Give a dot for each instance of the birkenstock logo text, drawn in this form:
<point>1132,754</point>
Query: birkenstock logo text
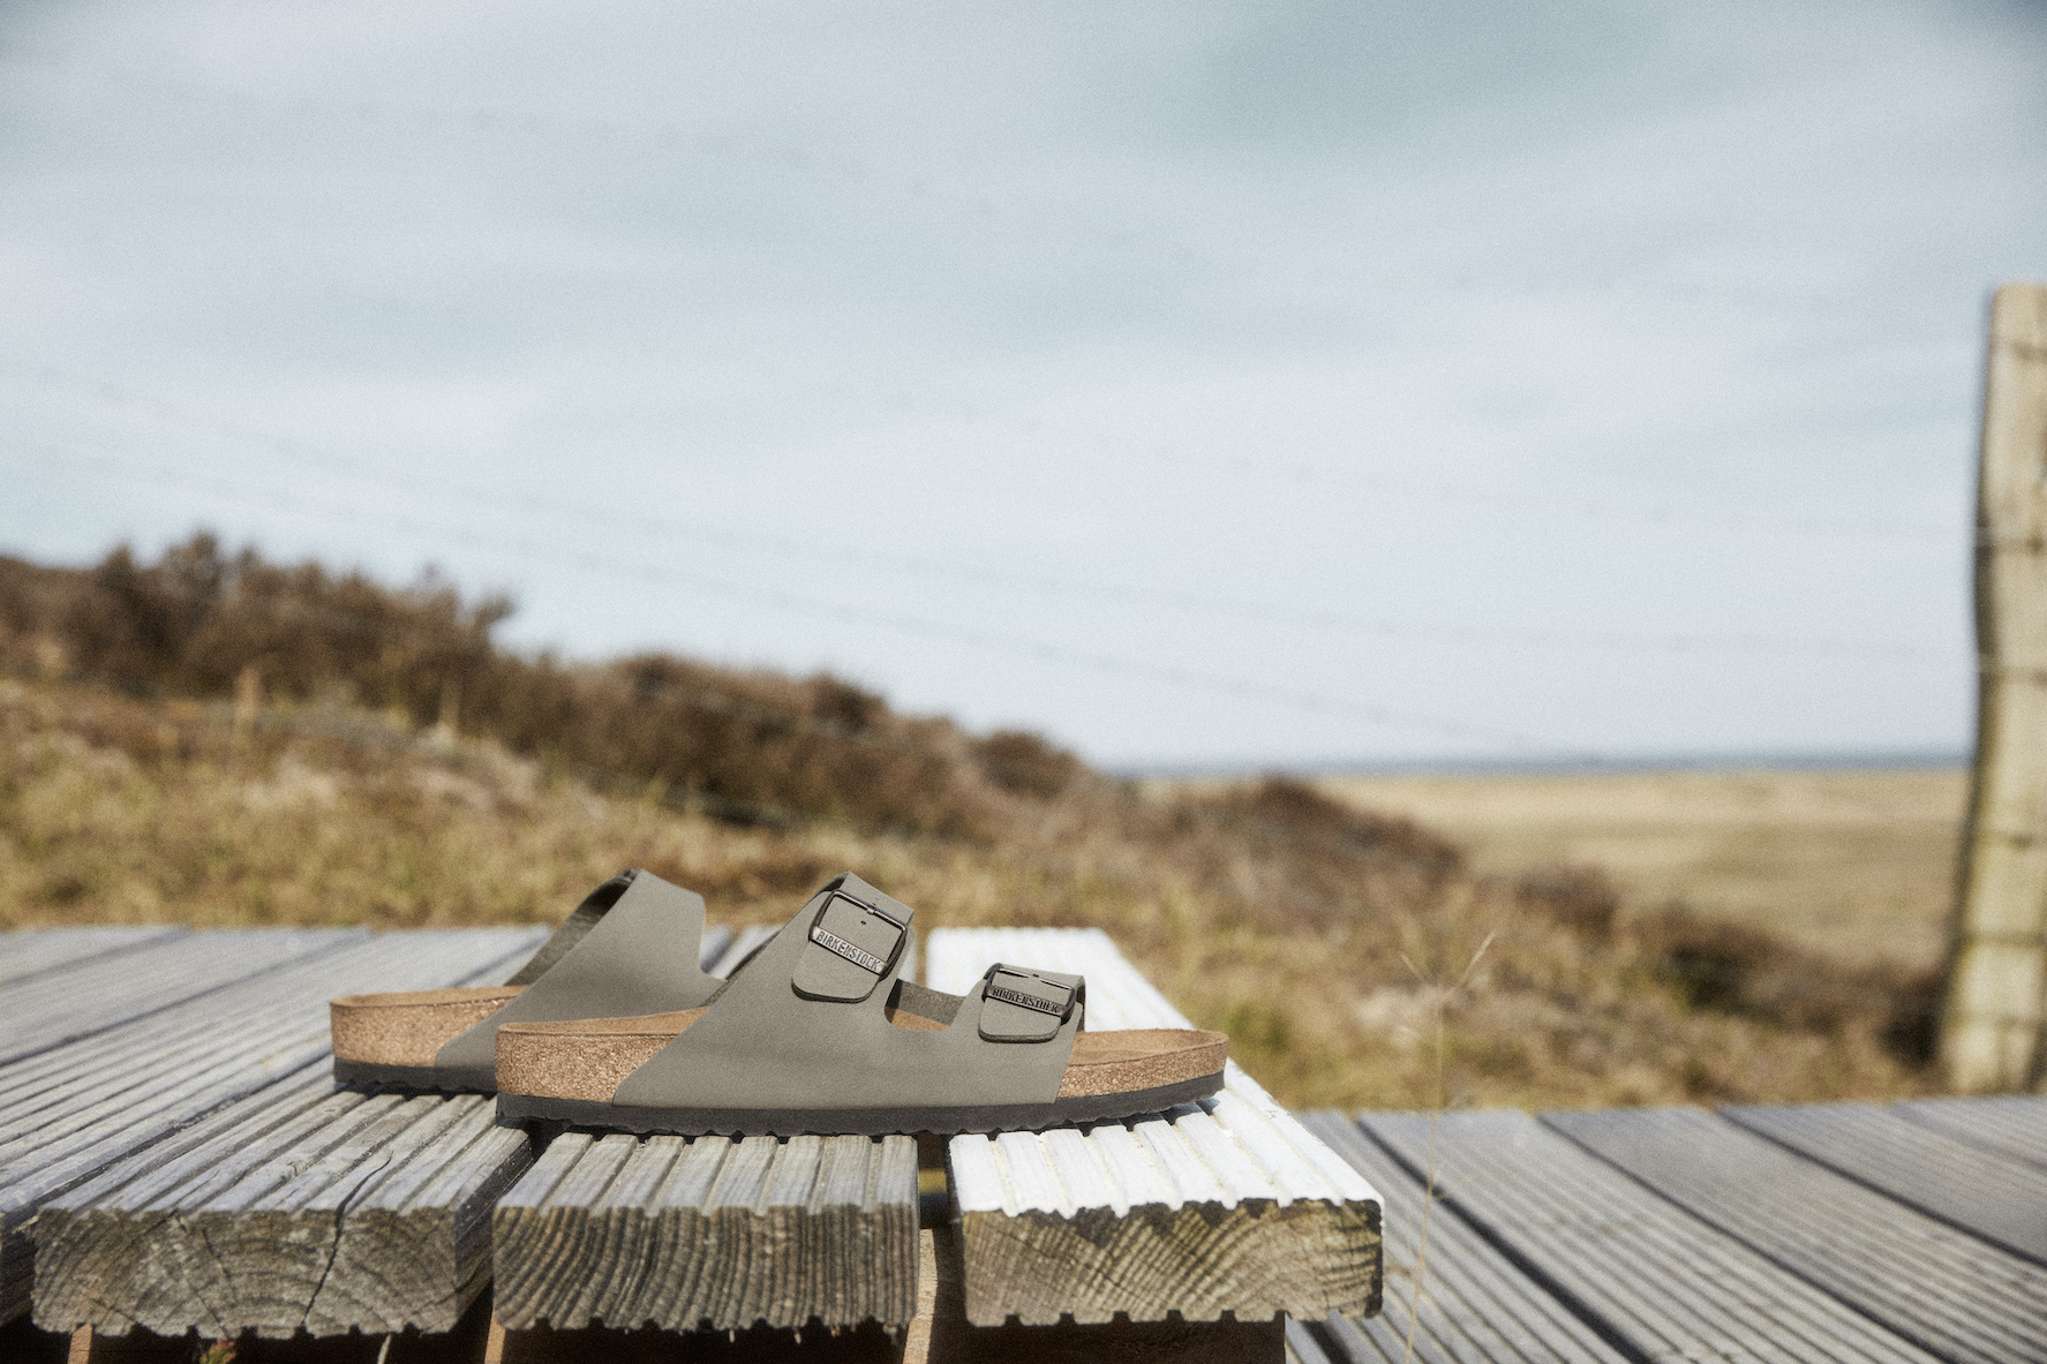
<point>859,956</point>
<point>1022,1000</point>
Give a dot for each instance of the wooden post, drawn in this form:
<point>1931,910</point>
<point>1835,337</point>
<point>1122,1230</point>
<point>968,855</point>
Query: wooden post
<point>1994,1024</point>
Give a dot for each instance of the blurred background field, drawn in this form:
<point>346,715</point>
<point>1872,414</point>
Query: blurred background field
<point>1855,861</point>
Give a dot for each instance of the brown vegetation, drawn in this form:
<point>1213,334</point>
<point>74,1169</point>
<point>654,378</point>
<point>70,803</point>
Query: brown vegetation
<point>143,777</point>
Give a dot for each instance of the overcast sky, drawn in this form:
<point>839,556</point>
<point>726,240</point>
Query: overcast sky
<point>1194,382</point>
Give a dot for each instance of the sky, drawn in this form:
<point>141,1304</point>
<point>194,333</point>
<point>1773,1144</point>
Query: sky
<point>1196,383</point>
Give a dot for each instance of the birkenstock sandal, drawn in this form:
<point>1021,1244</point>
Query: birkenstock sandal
<point>816,1032</point>
<point>630,947</point>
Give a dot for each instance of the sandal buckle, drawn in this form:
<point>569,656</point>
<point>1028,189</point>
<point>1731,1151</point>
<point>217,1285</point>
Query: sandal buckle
<point>860,956</point>
<point>1028,989</point>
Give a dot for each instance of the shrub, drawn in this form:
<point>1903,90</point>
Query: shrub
<point>1582,898</point>
<point>752,748</point>
<point>1024,763</point>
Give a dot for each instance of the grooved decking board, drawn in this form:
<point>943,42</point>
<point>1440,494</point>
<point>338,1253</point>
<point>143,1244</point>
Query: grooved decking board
<point>1999,1198</point>
<point>1226,1206</point>
<point>31,951</point>
<point>686,1233</point>
<point>2014,1124</point>
<point>1476,1304</point>
<point>44,1010</point>
<point>68,1113</point>
<point>296,1208</point>
<point>1957,1296</point>
<point>709,1232</point>
<point>1661,1283</point>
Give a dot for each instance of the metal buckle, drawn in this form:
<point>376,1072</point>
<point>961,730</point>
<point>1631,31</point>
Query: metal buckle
<point>854,952</point>
<point>1053,997</point>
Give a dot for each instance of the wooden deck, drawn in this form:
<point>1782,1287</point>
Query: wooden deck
<point>1838,1232</point>
<point>175,1162</point>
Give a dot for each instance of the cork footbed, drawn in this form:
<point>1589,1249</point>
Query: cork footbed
<point>588,1058</point>
<point>409,1028</point>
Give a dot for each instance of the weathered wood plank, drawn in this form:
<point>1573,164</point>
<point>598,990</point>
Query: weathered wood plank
<point>2014,1124</point>
<point>941,1334</point>
<point>44,1010</point>
<point>1653,1279</point>
<point>1230,1206</point>
<point>71,1112</point>
<point>1943,1289</point>
<point>296,1208</point>
<point>28,952</point>
<point>2001,1199</point>
<point>710,1233</point>
<point>1475,1303</point>
<point>308,1209</point>
<point>683,1234</point>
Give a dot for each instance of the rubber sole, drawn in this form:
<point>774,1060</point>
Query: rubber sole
<point>871,1122</point>
<point>426,1079</point>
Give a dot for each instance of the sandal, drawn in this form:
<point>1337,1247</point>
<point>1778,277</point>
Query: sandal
<point>631,945</point>
<point>816,1033</point>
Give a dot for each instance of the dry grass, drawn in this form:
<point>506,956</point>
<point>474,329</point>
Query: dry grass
<point>1856,864</point>
<point>1306,930</point>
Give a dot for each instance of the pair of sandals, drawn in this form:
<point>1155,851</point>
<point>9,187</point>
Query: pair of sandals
<point>613,1024</point>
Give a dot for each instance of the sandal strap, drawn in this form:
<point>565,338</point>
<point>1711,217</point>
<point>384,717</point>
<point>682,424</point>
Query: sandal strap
<point>807,1025</point>
<point>631,947</point>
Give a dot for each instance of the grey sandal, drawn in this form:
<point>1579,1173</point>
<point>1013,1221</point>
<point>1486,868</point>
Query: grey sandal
<point>631,946</point>
<point>816,1033</point>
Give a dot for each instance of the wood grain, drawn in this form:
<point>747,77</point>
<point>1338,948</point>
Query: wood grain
<point>1226,1207</point>
<point>298,1208</point>
<point>941,1334</point>
<point>1658,1282</point>
<point>2012,1125</point>
<point>1945,1291</point>
<point>28,952</point>
<point>710,1233</point>
<point>1476,1303</point>
<point>1994,1026</point>
<point>52,1007</point>
<point>1999,1198</point>
<point>92,1117</point>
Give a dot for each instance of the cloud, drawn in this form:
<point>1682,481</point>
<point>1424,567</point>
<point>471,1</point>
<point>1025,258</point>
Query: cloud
<point>1570,315</point>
